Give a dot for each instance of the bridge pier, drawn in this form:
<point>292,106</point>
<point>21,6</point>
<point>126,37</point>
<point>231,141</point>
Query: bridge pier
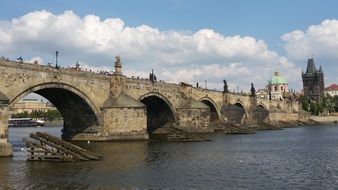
<point>193,116</point>
<point>253,104</point>
<point>124,118</point>
<point>6,148</point>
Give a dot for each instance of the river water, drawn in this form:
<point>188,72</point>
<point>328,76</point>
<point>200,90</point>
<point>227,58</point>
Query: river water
<point>294,158</point>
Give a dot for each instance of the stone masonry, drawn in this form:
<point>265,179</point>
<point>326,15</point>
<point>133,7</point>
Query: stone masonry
<point>110,107</point>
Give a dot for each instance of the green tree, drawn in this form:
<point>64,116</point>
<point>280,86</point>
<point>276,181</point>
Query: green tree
<point>313,108</point>
<point>21,115</point>
<point>305,103</point>
<point>320,108</point>
<point>336,102</point>
<point>37,114</point>
<point>329,103</point>
<point>52,114</point>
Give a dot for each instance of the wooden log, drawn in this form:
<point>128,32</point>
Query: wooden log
<point>74,154</point>
<point>41,151</point>
<point>76,148</point>
<point>32,144</point>
<point>69,146</point>
<point>48,158</point>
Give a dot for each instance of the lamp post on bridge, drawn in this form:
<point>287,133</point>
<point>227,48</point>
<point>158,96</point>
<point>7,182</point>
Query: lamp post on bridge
<point>56,58</point>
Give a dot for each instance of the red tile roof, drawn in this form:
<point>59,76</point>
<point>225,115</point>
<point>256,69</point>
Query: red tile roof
<point>332,87</point>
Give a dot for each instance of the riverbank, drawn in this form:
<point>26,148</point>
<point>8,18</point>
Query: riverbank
<point>229,128</point>
<point>324,119</point>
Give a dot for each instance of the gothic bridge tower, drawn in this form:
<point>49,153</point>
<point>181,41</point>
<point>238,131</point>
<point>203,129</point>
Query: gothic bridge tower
<point>313,81</point>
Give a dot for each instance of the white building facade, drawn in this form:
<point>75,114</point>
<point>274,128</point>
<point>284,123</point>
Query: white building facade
<point>277,86</point>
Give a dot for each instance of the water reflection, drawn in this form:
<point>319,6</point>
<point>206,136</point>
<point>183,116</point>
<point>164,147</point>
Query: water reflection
<point>299,158</point>
<point>4,171</point>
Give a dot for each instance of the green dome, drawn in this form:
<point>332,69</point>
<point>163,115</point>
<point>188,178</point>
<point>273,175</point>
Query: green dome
<point>277,79</point>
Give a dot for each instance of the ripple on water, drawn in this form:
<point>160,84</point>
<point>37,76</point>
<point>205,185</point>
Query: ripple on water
<point>299,158</point>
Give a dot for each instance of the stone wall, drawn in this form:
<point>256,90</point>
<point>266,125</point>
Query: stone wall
<point>325,119</point>
<point>275,118</point>
<point>94,89</point>
<point>5,147</point>
<point>3,123</point>
<point>127,123</point>
<point>193,119</point>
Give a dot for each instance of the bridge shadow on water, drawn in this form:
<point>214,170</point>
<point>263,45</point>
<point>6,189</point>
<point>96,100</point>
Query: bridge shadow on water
<point>294,158</point>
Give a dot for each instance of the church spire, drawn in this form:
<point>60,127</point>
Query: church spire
<point>320,69</point>
<point>311,68</point>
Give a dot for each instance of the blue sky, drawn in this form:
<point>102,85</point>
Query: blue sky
<point>260,20</point>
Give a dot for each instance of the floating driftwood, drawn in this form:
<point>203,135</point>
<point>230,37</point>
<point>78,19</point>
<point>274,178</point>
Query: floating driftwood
<point>45,147</point>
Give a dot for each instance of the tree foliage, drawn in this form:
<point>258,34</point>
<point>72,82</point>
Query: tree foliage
<point>21,115</point>
<point>336,103</point>
<point>328,104</point>
<point>305,101</point>
<point>48,115</point>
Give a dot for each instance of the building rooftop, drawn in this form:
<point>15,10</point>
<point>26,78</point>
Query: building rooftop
<point>277,79</point>
<point>332,87</point>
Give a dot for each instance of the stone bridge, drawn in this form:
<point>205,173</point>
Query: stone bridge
<point>114,107</point>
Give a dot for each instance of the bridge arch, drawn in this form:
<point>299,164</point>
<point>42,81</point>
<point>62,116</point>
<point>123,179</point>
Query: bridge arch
<point>262,105</point>
<point>234,113</point>
<point>240,104</point>
<point>78,111</point>
<point>214,110</point>
<point>260,113</point>
<point>160,111</point>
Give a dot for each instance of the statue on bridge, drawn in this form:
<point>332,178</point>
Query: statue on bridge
<point>117,61</point>
<point>253,90</point>
<point>152,76</point>
<point>225,87</point>
<point>118,65</point>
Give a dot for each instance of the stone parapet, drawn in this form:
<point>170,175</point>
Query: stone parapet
<point>6,149</point>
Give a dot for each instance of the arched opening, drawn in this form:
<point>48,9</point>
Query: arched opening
<point>260,114</point>
<point>159,113</point>
<point>242,112</point>
<point>261,106</point>
<point>239,105</point>
<point>213,112</point>
<point>233,113</point>
<point>77,112</point>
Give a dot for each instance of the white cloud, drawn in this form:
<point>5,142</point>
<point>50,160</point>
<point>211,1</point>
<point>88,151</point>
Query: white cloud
<point>319,41</point>
<point>174,55</point>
